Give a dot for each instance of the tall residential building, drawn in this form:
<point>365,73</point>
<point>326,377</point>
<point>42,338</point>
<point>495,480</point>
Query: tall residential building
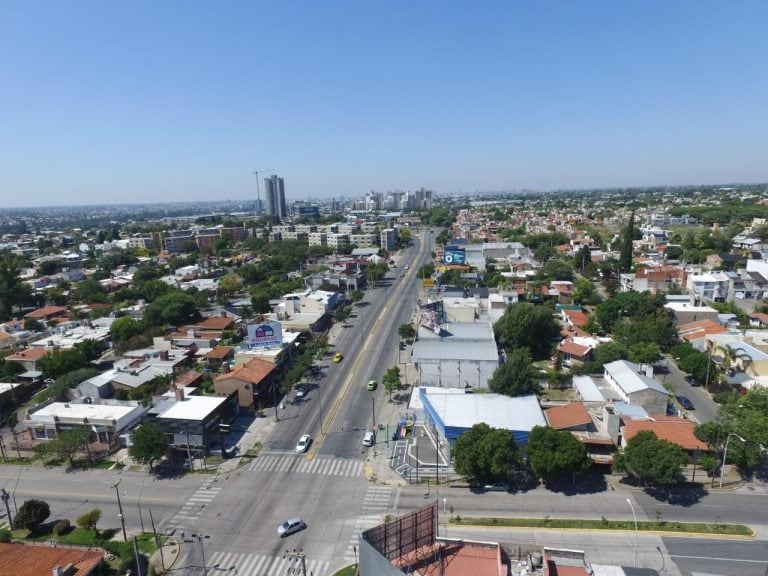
<point>274,191</point>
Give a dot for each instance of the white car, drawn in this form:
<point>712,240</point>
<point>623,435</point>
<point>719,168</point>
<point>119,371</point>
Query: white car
<point>290,526</point>
<point>303,443</point>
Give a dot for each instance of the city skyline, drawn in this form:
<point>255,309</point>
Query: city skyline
<point>162,103</point>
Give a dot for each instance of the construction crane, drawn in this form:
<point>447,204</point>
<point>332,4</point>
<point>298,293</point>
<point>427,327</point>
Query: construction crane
<point>258,189</point>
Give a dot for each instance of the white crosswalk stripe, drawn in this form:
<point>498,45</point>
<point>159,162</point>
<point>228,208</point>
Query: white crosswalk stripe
<point>193,507</point>
<point>292,462</point>
<point>375,504</point>
<point>258,565</point>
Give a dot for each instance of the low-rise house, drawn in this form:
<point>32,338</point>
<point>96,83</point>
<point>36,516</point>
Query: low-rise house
<point>635,384</point>
<point>105,420</point>
<point>29,358</point>
<point>48,313</point>
<point>254,383</point>
<point>193,422</point>
<point>39,559</point>
<point>676,430</point>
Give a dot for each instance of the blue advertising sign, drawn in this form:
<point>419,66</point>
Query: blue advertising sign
<point>454,256</point>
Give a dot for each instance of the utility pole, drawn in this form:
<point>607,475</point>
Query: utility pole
<point>120,508</point>
<point>294,556</point>
<point>136,555</point>
<point>157,540</point>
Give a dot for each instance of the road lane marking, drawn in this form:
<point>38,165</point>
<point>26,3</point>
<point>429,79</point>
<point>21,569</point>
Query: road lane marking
<point>746,560</point>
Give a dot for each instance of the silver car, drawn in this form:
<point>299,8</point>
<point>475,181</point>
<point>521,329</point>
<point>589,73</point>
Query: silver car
<point>290,526</point>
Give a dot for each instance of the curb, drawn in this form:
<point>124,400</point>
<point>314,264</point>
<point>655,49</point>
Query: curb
<point>670,533</point>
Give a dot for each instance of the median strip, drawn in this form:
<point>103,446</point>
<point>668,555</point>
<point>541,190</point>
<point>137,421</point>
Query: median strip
<point>698,528</point>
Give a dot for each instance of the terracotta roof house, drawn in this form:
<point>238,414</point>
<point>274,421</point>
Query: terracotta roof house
<point>215,324</point>
<point>6,340</point>
<point>253,382</point>
<point>574,318</point>
<point>37,559</point>
<point>671,428</point>
<point>573,416</point>
<point>758,319</point>
<point>47,313</point>
<point>219,355</point>
<point>572,353</point>
<point>28,357</point>
<point>699,329</point>
<point>191,379</point>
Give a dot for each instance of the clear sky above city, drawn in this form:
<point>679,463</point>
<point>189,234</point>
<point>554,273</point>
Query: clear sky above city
<point>146,101</point>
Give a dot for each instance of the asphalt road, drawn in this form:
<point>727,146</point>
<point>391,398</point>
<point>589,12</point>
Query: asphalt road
<point>705,409</point>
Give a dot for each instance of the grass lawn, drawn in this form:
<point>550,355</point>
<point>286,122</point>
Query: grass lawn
<point>680,527</point>
<point>347,571</point>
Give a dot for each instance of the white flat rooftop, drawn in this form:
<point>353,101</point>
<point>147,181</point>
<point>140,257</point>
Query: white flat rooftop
<point>80,411</point>
<point>193,408</point>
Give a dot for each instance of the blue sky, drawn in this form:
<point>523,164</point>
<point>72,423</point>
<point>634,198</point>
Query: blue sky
<point>165,101</point>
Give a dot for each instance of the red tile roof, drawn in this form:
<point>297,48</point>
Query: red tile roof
<point>191,378</point>
<point>39,560</point>
<point>759,316</point>
<point>573,349</point>
<point>28,354</point>
<point>672,429</point>
<point>567,416</point>
<point>43,313</point>
<point>253,372</point>
<point>452,559</point>
<point>577,317</point>
<point>216,323</point>
<point>219,353</point>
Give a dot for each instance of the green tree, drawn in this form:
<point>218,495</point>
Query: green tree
<point>525,325</point>
<point>89,520</point>
<point>391,380</point>
<point>644,352</point>
<point>406,331</point>
<point>125,328</point>
<point>32,514</point>
<point>651,459</point>
<point>356,295</point>
<point>486,454</point>
<point>62,362</point>
<point>516,377</point>
<point>746,416</point>
<point>554,454</point>
<point>90,348</point>
<point>13,291</point>
<point>175,308</point>
<point>625,258</point>
<point>149,443</point>
<point>67,444</point>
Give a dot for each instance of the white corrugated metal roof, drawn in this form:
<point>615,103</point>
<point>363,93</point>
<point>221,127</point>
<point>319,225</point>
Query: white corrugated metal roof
<point>521,413</point>
<point>426,350</point>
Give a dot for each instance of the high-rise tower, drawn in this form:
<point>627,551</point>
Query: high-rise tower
<point>274,191</point>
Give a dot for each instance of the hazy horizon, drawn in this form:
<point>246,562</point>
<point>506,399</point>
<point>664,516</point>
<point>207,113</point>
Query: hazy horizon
<point>152,103</point>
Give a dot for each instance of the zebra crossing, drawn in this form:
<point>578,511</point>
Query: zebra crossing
<point>257,565</point>
<point>193,507</point>
<point>292,462</point>
<point>375,504</point>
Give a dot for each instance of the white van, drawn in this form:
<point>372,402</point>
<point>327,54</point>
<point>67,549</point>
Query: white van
<point>369,439</point>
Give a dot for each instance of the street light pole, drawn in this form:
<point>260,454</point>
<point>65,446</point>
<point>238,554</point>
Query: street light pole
<point>725,454</point>
<point>202,550</point>
<point>634,516</point>
<point>120,508</point>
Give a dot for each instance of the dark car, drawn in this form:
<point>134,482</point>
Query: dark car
<point>692,381</point>
<point>685,402</point>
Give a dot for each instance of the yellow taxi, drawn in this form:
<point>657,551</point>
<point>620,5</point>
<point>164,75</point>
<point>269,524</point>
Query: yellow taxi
<point>338,357</point>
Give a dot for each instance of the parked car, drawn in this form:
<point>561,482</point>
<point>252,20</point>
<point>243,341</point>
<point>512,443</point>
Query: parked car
<point>692,381</point>
<point>371,385</point>
<point>369,439</point>
<point>338,357</point>
<point>303,443</point>
<point>290,526</point>
<point>685,402</point>
<point>301,391</point>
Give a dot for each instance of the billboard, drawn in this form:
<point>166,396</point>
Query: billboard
<point>266,335</point>
<point>432,315</point>
<point>454,256</point>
